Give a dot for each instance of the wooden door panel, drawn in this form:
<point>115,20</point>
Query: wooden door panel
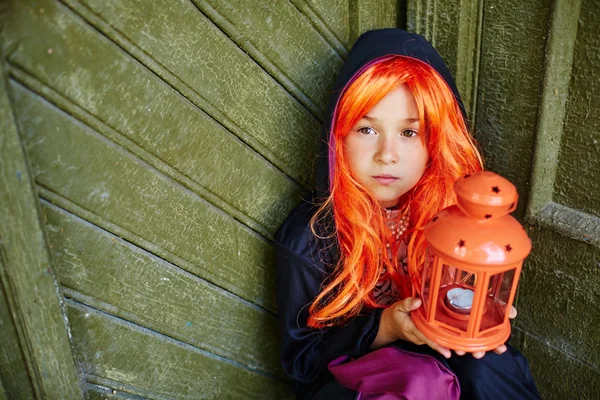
<point>166,142</point>
<point>97,268</point>
<point>140,362</point>
<point>536,67</point>
<point>82,167</point>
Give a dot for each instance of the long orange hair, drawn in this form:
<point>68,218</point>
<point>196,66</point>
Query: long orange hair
<point>360,225</point>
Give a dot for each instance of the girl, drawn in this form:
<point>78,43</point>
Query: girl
<point>396,141</point>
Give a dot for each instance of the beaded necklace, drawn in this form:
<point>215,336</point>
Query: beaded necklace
<point>397,223</point>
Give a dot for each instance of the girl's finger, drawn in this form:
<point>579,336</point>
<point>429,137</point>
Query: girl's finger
<point>409,304</point>
<point>440,349</point>
<point>500,349</point>
<point>478,354</point>
<point>460,352</point>
<point>513,312</point>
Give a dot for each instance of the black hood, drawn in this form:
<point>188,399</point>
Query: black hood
<point>368,49</point>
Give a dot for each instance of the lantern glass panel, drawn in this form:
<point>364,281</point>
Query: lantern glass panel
<point>427,271</point>
<point>455,297</point>
<point>497,299</point>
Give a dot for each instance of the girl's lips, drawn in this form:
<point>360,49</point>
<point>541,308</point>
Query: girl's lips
<point>385,179</point>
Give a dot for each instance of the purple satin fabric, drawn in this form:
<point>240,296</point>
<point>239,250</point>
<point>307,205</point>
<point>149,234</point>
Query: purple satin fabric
<point>393,374</point>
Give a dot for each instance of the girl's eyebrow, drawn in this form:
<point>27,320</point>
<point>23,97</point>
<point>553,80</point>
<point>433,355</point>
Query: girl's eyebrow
<point>409,120</point>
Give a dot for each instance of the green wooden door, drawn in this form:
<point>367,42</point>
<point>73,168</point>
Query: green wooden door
<point>529,71</point>
<point>149,151</point>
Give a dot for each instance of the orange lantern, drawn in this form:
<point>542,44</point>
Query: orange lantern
<point>475,251</point>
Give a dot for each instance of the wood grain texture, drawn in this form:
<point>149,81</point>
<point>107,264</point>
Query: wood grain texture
<point>331,18</point>
<point>181,40</point>
<point>75,162</point>
<point>25,273</point>
<point>562,36</point>
<point>137,286</point>
<point>577,184</point>
<point>513,48</point>
<point>99,392</point>
<point>371,14</point>
<point>454,29</point>
<point>117,350</point>
<point>282,41</point>
<point>559,293</point>
<point>14,375</point>
<point>145,113</point>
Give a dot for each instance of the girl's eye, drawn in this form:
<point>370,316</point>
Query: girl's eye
<point>409,133</point>
<point>367,131</point>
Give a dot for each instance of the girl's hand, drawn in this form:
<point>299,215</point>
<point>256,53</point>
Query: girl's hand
<point>396,324</point>
<point>500,349</point>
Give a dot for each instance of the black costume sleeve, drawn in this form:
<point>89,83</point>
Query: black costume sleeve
<point>301,270</point>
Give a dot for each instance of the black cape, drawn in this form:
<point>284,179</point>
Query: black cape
<point>304,261</point>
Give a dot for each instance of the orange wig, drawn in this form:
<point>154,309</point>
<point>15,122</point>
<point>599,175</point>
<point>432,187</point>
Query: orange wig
<point>360,226</point>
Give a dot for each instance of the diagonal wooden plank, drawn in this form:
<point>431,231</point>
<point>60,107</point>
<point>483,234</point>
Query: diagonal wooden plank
<point>282,41</point>
<point>335,15</point>
<point>216,166</point>
<point>25,271</point>
<point>180,44</point>
<point>139,287</point>
<point>132,107</point>
<point>13,369</point>
<point>101,392</point>
<point>159,364</point>
<point>85,168</point>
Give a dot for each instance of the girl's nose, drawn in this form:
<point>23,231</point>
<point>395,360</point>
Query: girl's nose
<point>386,151</point>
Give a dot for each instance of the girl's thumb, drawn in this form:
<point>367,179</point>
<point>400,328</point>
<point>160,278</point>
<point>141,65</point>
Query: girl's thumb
<point>410,304</point>
<point>416,303</point>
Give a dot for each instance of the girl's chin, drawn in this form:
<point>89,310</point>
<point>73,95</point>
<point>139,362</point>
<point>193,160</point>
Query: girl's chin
<point>389,200</point>
<point>389,203</point>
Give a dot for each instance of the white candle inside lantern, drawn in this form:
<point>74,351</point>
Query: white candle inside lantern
<point>460,300</point>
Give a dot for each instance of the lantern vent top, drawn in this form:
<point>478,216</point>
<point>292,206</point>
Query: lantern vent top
<point>479,229</point>
<point>485,195</point>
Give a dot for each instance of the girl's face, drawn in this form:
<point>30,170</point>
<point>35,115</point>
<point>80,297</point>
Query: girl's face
<point>384,150</point>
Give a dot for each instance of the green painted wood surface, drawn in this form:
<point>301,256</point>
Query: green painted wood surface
<point>167,143</point>
<point>512,61</point>
<point>14,375</point>
<point>335,14</point>
<point>454,28</point>
<point>28,283</point>
<point>371,14</point>
<point>2,392</point>
<point>151,119</point>
<point>96,392</point>
<point>560,293</point>
<point>283,42</point>
<point>80,165</point>
<point>519,55</point>
<point>577,177</point>
<point>111,274</point>
<point>228,84</point>
<point>559,376</point>
<point>562,37</point>
<point>159,365</point>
